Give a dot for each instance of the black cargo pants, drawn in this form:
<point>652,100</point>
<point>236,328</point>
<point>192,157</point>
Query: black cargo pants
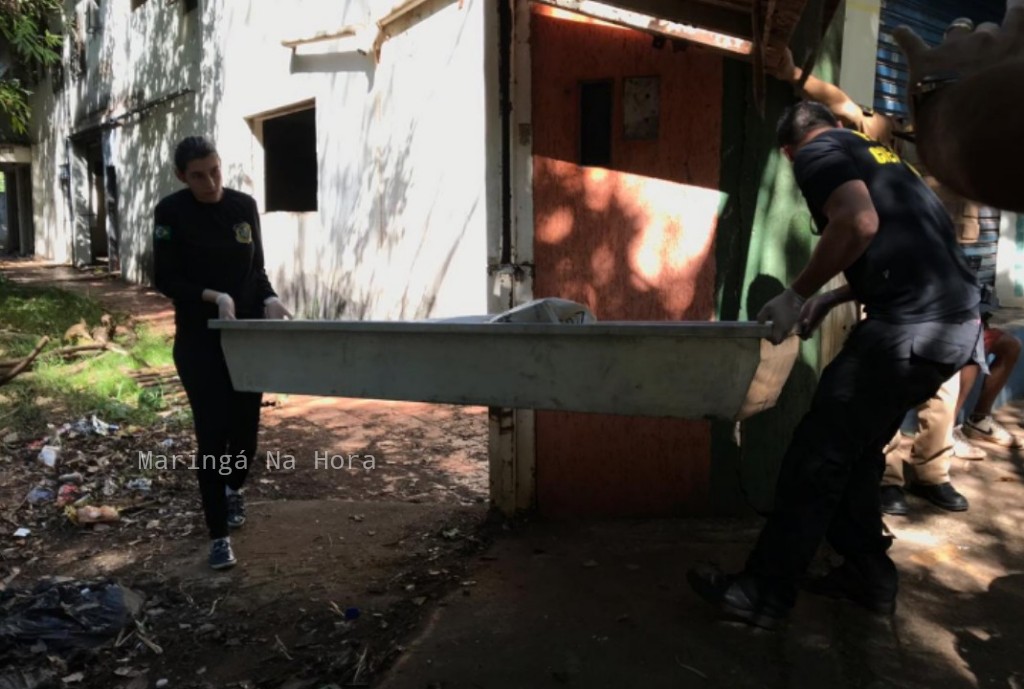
<point>828,486</point>
<point>226,421</point>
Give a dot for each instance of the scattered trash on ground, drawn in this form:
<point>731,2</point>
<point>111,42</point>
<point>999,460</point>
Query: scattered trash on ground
<point>67,494</point>
<point>38,495</point>
<point>65,615</point>
<point>89,426</point>
<point>11,678</point>
<point>90,514</point>
<point>143,485</point>
<point>48,455</point>
<point>95,499</point>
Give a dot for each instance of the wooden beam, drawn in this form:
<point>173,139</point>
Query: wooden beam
<point>697,13</point>
<point>758,55</point>
<point>400,9</point>
<point>784,21</point>
<point>769,18</point>
<point>368,33</point>
<point>726,43</point>
<point>812,56</point>
<point>763,18</point>
<point>343,32</point>
<point>738,5</point>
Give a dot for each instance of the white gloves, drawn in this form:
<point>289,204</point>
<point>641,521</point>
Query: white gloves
<point>273,309</point>
<point>813,313</point>
<point>783,312</point>
<point>225,307</point>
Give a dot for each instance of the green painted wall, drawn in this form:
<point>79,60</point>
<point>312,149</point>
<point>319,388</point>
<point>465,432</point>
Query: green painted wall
<point>763,242</point>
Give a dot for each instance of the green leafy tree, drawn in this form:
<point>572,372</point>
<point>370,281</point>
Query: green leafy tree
<point>27,47</point>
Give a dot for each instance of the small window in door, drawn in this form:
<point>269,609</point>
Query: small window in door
<point>596,101</point>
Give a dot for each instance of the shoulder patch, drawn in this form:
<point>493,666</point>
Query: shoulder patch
<point>162,232</point>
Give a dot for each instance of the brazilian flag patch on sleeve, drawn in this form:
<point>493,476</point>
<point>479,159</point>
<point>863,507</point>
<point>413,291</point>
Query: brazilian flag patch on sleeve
<point>162,232</point>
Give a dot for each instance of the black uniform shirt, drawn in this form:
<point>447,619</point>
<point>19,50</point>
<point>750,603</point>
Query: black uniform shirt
<point>216,246</point>
<point>913,271</point>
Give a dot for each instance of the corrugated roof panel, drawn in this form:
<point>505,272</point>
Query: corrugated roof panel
<point>929,19</point>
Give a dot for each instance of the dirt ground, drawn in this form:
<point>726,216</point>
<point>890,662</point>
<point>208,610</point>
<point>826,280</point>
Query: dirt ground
<point>393,576</point>
<point>340,557</point>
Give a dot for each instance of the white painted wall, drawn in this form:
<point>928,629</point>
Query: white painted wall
<point>403,208</point>
<point>860,50</point>
<point>1010,261</point>
<point>15,153</point>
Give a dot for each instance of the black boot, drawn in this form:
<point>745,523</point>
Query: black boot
<point>943,495</point>
<point>872,588</point>
<point>738,597</point>
<point>893,501</point>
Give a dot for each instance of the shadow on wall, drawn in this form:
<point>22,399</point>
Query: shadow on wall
<point>392,230</point>
<point>146,143</point>
<point>328,63</point>
<point>632,248</point>
<point>765,225</point>
<point>356,264</point>
<point>627,225</point>
<point>628,246</point>
<point>763,233</point>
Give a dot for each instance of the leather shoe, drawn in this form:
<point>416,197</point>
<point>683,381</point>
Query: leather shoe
<point>943,495</point>
<point>737,598</point>
<point>893,501</point>
<point>848,583</point>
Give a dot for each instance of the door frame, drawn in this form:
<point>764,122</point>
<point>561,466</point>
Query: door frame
<point>512,438</point>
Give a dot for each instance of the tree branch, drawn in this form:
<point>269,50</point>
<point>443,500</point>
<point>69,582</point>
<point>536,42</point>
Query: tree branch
<point>24,363</point>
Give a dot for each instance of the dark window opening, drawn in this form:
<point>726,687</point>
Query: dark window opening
<point>191,5</point>
<point>81,61</point>
<point>93,19</point>
<point>57,77</point>
<point>596,123</point>
<point>289,146</point>
<point>136,4</point>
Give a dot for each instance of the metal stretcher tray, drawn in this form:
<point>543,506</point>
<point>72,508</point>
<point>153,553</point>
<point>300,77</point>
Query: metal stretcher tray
<point>691,370</point>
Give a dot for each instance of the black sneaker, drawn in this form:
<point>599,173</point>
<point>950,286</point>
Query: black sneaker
<point>847,583</point>
<point>894,501</point>
<point>236,510</point>
<point>221,555</point>
<point>733,600</point>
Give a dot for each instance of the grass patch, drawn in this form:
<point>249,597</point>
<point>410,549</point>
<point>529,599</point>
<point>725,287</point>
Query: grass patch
<point>28,312</point>
<point>55,390</point>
